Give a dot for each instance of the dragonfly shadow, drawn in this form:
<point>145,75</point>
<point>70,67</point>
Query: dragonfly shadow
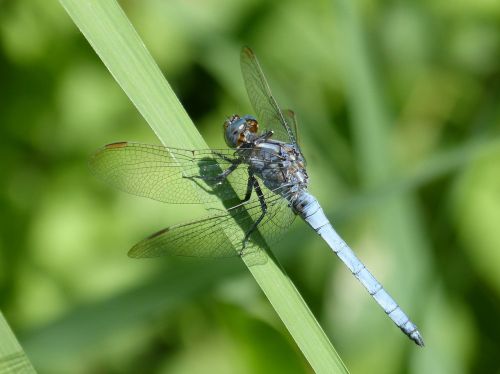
<point>207,182</point>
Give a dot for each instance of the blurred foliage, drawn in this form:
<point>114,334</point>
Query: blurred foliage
<point>415,190</point>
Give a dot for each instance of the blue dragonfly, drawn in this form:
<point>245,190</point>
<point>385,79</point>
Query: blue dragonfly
<point>261,179</point>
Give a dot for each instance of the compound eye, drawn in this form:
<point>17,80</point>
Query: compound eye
<point>241,139</point>
<point>253,125</point>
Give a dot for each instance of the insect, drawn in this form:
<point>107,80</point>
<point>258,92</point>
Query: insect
<point>261,179</point>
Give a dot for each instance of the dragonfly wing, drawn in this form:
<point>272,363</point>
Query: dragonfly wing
<point>203,238</point>
<point>219,235</point>
<point>168,174</point>
<point>263,102</point>
<point>291,120</point>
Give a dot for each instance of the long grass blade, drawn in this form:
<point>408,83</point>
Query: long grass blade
<point>12,356</point>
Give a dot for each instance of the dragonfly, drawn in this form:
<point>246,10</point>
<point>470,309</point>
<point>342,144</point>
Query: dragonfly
<point>261,180</point>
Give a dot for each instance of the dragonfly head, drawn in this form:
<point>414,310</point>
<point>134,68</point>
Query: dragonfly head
<point>239,130</point>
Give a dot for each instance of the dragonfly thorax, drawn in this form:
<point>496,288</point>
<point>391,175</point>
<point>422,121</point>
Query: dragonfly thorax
<point>239,130</point>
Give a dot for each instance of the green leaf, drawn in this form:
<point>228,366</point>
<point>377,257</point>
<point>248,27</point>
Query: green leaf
<point>110,33</point>
<point>12,357</point>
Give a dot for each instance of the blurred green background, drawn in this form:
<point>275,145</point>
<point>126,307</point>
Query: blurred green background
<point>399,120</point>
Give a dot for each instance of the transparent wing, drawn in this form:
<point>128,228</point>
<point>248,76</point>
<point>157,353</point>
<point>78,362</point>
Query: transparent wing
<point>213,236</point>
<point>267,110</point>
<point>168,174</point>
<point>291,120</point>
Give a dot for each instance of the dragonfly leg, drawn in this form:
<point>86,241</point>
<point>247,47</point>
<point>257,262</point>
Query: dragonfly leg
<point>219,177</point>
<point>225,158</point>
<point>266,136</point>
<point>263,206</point>
<point>250,185</point>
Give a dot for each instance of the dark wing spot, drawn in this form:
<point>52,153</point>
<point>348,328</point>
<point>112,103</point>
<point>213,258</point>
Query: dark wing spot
<point>116,145</point>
